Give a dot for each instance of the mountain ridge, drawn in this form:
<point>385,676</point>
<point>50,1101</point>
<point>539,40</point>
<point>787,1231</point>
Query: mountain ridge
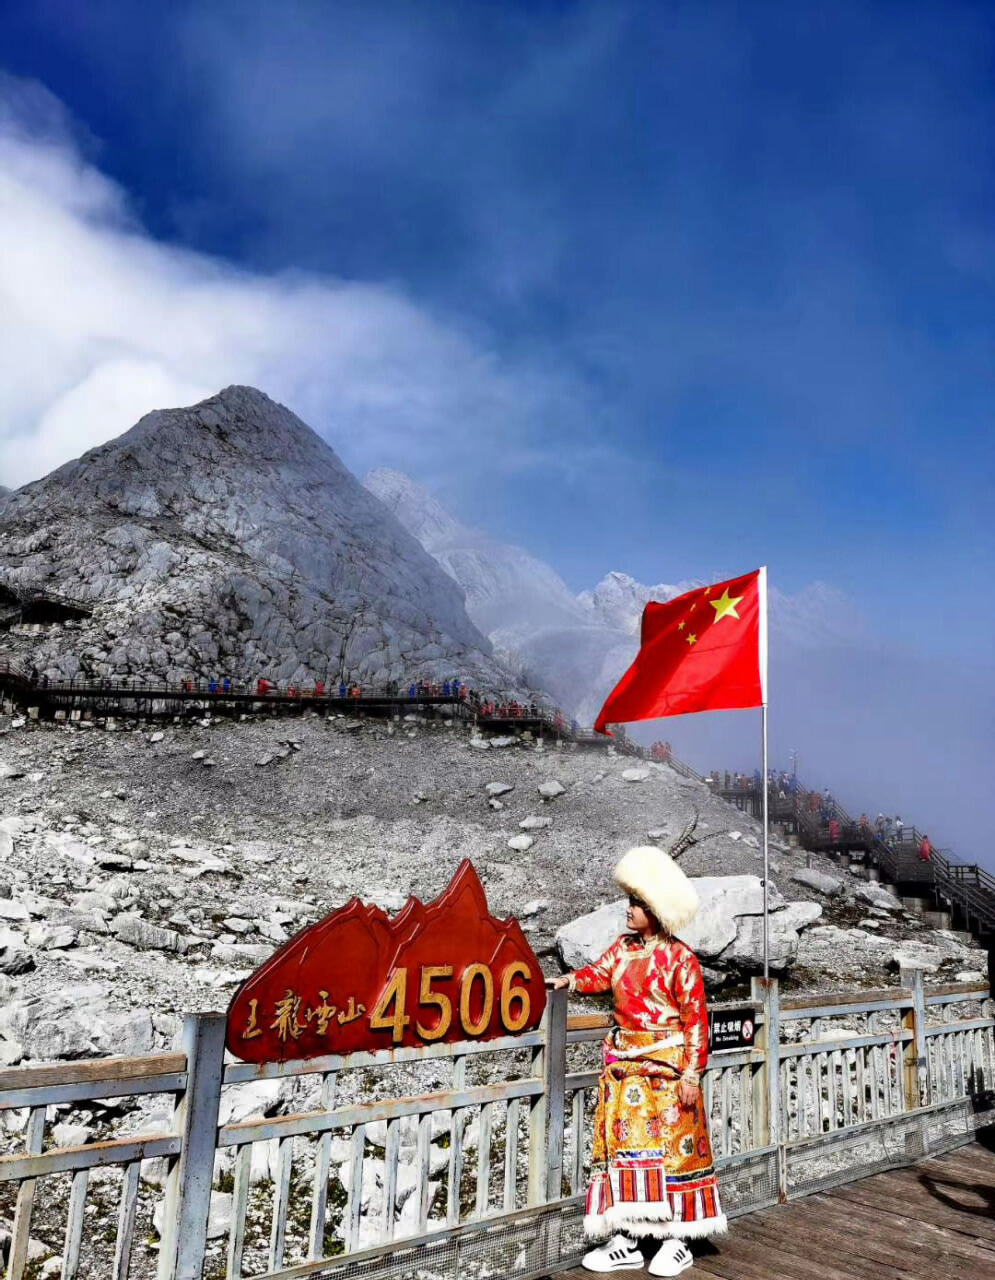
<point>228,536</point>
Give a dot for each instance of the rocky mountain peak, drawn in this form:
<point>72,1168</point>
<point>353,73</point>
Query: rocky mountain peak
<point>618,600</point>
<point>228,536</point>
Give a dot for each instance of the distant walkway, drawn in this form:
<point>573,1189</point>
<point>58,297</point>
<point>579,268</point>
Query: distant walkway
<point>928,1221</point>
<point>822,825</point>
<point>146,698</point>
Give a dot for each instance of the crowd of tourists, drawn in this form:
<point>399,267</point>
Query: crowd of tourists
<point>485,706</point>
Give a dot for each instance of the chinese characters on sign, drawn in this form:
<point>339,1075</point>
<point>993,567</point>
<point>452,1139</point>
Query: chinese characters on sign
<point>731,1029</point>
<point>358,980</point>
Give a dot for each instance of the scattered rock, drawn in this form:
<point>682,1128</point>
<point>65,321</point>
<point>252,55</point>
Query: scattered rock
<point>496,789</point>
<point>521,843</point>
<point>147,937</point>
<point>551,789</point>
<point>52,937</point>
<point>535,824</point>
<point>635,775</point>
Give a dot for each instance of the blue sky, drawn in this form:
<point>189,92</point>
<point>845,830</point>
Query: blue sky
<point>710,285</point>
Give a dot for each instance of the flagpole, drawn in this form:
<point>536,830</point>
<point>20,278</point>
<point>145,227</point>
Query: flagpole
<point>762,655</point>
<point>764,788</point>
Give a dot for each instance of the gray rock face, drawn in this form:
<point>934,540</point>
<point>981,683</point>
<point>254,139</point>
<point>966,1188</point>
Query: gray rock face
<point>228,538</point>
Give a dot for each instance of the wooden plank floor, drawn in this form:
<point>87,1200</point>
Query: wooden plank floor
<point>930,1220</point>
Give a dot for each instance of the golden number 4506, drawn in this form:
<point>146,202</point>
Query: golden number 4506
<point>389,1013</point>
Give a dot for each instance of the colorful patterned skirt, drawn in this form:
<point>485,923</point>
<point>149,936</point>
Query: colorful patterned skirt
<point>651,1171</point>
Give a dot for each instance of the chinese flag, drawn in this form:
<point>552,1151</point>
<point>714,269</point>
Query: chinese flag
<point>704,651</point>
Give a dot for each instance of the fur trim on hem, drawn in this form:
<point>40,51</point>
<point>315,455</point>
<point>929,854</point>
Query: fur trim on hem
<point>647,1223</point>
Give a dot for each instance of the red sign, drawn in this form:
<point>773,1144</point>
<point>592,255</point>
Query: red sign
<point>359,980</point>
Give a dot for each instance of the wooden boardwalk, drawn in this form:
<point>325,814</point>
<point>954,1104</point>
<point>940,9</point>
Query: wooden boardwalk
<point>930,1220</point>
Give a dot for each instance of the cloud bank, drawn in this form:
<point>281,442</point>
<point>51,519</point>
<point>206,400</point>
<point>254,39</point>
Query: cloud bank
<point>99,323</point>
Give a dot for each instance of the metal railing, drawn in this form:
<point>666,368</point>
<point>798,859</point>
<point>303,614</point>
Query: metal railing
<point>451,1158</point>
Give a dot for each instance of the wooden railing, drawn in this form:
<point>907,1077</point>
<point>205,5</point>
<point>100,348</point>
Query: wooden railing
<point>425,1159</point>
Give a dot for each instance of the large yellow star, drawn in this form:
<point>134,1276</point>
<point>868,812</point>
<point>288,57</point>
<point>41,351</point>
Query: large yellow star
<point>725,606</point>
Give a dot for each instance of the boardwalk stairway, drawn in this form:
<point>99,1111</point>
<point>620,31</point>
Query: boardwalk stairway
<point>966,890</point>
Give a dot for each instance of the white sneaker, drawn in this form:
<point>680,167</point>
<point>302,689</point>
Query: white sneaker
<point>671,1259</point>
<point>618,1254</point>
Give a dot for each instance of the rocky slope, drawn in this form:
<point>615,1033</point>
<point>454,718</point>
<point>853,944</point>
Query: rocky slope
<point>146,870</point>
<point>228,538</point>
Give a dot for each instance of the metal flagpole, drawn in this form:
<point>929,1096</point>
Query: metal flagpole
<point>762,591</point>
<point>764,788</point>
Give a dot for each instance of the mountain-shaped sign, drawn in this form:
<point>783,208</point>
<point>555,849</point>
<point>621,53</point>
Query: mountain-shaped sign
<point>358,980</point>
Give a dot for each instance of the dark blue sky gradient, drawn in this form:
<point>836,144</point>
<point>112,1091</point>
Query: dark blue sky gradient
<point>751,245</point>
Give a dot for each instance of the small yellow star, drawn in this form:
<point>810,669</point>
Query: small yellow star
<point>725,606</point>
<point>692,608</point>
<point>680,626</point>
<point>692,638</point>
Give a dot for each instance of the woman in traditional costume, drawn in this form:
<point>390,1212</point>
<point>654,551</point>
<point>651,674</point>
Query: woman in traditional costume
<point>652,1172</point>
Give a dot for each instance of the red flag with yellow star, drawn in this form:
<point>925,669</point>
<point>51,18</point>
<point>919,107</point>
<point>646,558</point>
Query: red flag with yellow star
<point>704,651</point>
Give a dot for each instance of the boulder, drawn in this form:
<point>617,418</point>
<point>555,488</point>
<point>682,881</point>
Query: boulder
<point>535,824</point>
<point>799,915</point>
<point>219,1215</point>
<point>876,895</point>
<point>521,843</point>
<point>202,859</point>
<point>820,881</point>
<point>722,899</point>
<point>496,789</point>
<point>582,940</point>
<point>251,1101</point>
<point>146,937</point>
<point>550,789</point>
<point>635,775</point>
<point>747,948</point>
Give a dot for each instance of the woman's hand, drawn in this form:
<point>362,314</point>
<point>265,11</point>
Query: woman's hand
<point>557,984</point>
<point>689,1094</point>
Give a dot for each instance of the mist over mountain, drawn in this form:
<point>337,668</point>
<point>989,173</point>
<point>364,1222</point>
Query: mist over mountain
<point>228,538</point>
<point>884,728</point>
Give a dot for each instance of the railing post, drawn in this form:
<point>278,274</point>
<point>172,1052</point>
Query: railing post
<point>188,1185</point>
<point>546,1114</point>
<point>554,1087</point>
<point>914,1061</point>
<point>767,1118</point>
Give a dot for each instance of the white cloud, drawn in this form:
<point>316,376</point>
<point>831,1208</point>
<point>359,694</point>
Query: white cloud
<point>99,323</point>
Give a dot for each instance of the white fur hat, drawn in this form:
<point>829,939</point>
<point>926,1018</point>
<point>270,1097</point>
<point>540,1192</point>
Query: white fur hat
<point>654,877</point>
